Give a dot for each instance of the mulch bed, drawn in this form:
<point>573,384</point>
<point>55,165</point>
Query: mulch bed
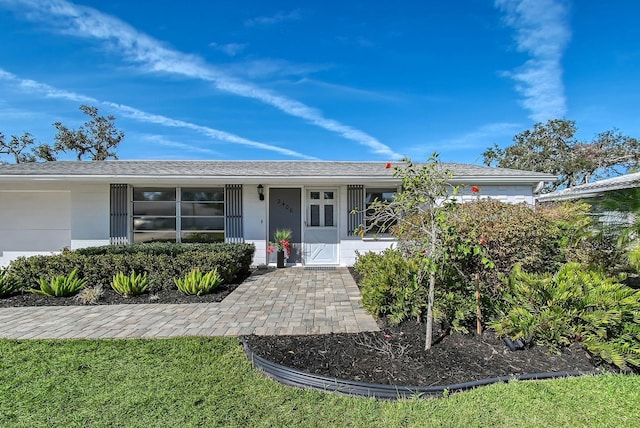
<point>396,356</point>
<point>110,297</point>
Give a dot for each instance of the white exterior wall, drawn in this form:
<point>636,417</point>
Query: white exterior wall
<point>44,218</point>
<point>89,215</point>
<point>41,218</point>
<point>254,222</point>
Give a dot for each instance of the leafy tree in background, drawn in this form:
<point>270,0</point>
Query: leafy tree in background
<point>96,140</point>
<point>18,147</point>
<point>552,148</point>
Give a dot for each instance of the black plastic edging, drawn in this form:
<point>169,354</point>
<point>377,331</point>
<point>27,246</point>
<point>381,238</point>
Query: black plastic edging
<point>298,378</point>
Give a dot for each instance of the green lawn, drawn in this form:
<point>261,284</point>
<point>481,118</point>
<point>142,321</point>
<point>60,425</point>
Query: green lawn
<point>208,382</point>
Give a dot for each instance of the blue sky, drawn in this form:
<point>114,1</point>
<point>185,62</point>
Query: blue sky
<point>330,80</point>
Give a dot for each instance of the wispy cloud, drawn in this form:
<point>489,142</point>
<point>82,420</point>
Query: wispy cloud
<point>231,49</point>
<point>33,87</point>
<point>542,31</point>
<point>279,17</point>
<point>140,48</point>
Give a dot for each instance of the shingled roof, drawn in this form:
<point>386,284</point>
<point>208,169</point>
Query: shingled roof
<point>589,190</point>
<point>243,169</point>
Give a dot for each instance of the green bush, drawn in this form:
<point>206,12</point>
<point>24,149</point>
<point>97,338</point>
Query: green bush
<point>198,283</point>
<point>582,239</point>
<point>8,283</point>
<point>132,285</point>
<point>391,288</point>
<point>242,254</point>
<point>161,263</point>
<point>60,286</point>
<point>574,305</point>
<point>388,285</point>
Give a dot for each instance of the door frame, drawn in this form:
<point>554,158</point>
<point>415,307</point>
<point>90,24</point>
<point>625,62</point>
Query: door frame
<point>336,216</point>
<point>267,191</point>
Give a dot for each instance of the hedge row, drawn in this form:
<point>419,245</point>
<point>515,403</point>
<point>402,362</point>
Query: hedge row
<point>161,263</point>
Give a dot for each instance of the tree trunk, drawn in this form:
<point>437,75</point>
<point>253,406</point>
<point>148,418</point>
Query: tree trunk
<point>429,333</point>
<point>432,287</point>
<point>478,307</point>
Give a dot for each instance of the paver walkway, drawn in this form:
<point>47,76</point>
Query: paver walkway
<point>274,302</point>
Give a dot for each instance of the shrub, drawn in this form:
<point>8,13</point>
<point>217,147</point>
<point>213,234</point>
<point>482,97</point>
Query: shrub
<point>132,285</point>
<point>198,283</point>
<point>582,239</point>
<point>574,305</point>
<point>390,287</point>
<point>8,283</point>
<point>161,262</point>
<point>89,295</point>
<point>241,253</point>
<point>61,286</point>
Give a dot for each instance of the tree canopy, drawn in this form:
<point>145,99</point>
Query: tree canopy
<point>552,148</point>
<point>96,140</point>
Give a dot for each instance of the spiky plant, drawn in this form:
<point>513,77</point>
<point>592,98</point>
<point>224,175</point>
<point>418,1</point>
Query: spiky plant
<point>131,285</point>
<point>8,284</point>
<point>197,283</point>
<point>60,286</point>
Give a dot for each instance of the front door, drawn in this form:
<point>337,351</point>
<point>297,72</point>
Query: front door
<point>321,229</point>
<point>285,212</point>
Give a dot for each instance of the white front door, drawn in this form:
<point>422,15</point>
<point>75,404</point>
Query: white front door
<point>321,228</point>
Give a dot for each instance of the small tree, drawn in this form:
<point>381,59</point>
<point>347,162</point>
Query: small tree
<point>417,216</point>
<point>97,139</point>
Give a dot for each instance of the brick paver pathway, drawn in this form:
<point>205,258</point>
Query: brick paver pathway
<point>283,301</point>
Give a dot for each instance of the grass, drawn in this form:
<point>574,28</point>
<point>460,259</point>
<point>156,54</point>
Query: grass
<point>208,382</point>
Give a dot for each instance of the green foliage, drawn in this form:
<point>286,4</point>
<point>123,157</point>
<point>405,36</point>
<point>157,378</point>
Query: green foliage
<point>161,262</point>
<point>390,288</point>
<point>551,147</point>
<point>8,283</point>
<point>574,304</point>
<point>388,285</point>
<point>97,139</point>
<point>132,285</point>
<point>198,283</point>
<point>61,286</point>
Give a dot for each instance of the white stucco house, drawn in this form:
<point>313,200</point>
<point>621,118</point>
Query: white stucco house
<point>45,207</point>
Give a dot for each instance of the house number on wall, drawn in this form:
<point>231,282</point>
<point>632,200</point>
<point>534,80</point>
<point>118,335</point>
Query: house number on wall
<point>285,205</point>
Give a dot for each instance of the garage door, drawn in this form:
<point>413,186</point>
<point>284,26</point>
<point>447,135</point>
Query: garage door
<point>34,221</point>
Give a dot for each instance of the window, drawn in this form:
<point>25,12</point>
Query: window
<point>183,214</point>
<point>321,209</point>
<point>381,194</point>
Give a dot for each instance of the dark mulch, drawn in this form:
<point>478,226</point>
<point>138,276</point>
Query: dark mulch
<point>396,356</point>
<point>110,297</point>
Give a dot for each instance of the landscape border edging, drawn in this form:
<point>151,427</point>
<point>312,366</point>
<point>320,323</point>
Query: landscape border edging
<point>301,379</point>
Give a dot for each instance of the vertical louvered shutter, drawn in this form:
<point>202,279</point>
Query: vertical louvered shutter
<point>119,214</point>
<point>233,213</point>
<point>355,203</point>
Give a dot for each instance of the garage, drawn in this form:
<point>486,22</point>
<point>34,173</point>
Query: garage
<point>33,222</point>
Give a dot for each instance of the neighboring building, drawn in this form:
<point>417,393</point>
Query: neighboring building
<point>45,207</point>
<point>624,187</point>
<point>593,189</point>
